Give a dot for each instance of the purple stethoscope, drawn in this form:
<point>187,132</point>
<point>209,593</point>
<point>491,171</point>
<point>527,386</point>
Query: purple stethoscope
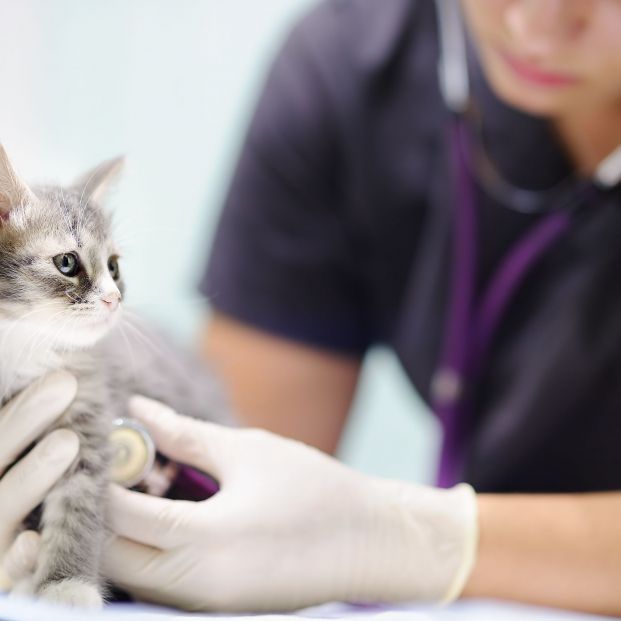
<point>472,322</point>
<point>137,465</point>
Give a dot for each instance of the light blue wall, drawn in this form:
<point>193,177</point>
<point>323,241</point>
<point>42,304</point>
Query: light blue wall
<point>170,84</point>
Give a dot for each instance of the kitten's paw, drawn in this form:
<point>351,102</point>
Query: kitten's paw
<point>72,593</point>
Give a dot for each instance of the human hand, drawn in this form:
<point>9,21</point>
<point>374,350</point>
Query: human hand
<point>290,527</point>
<point>24,485</point>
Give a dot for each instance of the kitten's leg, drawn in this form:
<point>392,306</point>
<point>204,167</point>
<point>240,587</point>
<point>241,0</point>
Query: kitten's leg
<point>73,532</point>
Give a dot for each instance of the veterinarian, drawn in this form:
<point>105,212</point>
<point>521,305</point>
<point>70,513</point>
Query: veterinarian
<point>469,219</point>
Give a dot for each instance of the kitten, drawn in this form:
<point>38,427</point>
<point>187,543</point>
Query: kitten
<point>60,299</point>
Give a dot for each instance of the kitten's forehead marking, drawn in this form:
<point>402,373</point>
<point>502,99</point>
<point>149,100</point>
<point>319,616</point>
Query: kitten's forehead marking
<point>51,247</point>
<point>63,221</point>
<point>79,216</point>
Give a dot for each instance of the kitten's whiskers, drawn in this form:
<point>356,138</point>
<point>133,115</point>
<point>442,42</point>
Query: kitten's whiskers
<point>147,340</point>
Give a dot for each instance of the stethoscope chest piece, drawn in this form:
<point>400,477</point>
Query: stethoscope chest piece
<point>133,452</point>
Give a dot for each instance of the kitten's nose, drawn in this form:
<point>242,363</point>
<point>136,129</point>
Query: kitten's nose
<point>111,300</point>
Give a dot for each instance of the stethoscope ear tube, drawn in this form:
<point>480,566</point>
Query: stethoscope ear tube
<point>452,63</point>
<point>608,173</point>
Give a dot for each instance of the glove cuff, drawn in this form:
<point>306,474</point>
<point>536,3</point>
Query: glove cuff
<point>470,520</point>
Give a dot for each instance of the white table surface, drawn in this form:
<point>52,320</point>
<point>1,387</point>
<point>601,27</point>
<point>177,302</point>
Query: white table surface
<point>12,610</point>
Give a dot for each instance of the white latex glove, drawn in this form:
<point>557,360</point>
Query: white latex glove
<point>25,484</point>
<point>290,527</point>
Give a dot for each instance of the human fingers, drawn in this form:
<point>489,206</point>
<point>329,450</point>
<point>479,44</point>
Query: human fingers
<point>27,483</point>
<point>150,520</point>
<point>204,445</point>
<point>136,568</point>
<point>26,416</point>
<point>21,559</point>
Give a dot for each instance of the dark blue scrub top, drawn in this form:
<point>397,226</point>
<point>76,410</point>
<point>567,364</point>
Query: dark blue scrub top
<point>337,233</point>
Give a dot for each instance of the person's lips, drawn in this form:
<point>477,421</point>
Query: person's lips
<point>535,75</point>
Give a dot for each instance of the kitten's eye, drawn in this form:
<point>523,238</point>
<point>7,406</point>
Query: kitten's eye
<point>68,264</point>
<point>113,267</point>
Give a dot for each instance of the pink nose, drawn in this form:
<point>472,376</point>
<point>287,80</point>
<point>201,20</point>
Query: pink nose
<point>111,300</point>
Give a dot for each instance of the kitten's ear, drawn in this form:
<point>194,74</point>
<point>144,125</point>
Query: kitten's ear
<point>13,191</point>
<point>96,183</point>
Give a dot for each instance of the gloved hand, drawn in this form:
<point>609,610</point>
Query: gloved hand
<point>26,483</point>
<point>290,527</point>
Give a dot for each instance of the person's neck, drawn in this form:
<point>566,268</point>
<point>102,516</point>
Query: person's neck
<point>589,136</point>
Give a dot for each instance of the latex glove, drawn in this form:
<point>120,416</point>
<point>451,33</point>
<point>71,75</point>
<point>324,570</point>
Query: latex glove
<point>24,485</point>
<point>290,527</point>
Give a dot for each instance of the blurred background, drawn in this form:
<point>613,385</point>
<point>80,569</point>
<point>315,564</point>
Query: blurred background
<point>171,84</point>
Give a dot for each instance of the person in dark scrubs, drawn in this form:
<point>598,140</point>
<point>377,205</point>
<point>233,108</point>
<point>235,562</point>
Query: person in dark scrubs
<point>480,243</point>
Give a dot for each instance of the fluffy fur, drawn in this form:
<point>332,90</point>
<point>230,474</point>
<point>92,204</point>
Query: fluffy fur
<point>50,320</point>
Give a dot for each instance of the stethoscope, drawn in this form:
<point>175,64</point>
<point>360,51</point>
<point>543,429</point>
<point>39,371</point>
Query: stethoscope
<point>472,321</point>
<point>135,464</point>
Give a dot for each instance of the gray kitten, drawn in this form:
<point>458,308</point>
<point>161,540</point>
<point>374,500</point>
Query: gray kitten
<point>60,300</point>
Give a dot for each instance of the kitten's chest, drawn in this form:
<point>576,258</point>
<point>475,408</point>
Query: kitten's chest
<point>22,363</point>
